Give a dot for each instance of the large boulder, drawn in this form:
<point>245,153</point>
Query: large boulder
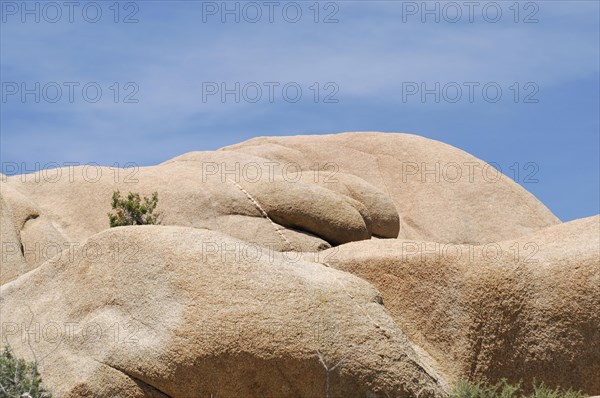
<point>442,193</point>
<point>299,194</point>
<point>158,311</point>
<point>213,190</point>
<point>381,212</point>
<point>264,278</point>
<point>13,261</point>
<point>523,309</point>
<point>28,237</point>
<point>27,240</point>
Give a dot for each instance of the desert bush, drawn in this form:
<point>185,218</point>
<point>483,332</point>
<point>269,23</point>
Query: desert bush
<point>19,378</point>
<point>503,389</point>
<point>133,211</point>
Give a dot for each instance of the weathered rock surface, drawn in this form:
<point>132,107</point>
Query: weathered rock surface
<point>522,309</point>
<point>230,192</point>
<point>26,240</point>
<point>270,261</point>
<point>13,261</point>
<point>304,193</point>
<point>442,194</point>
<point>169,316</point>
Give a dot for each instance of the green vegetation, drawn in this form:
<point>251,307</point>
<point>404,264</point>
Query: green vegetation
<point>132,211</point>
<point>503,389</point>
<point>19,378</point>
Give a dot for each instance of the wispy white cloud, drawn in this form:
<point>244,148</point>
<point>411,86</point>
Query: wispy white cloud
<point>369,54</point>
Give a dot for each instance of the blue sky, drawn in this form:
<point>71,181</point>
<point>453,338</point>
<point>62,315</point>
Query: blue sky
<point>368,61</point>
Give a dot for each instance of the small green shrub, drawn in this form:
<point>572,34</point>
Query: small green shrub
<point>19,378</point>
<point>503,389</point>
<point>542,391</point>
<point>132,211</point>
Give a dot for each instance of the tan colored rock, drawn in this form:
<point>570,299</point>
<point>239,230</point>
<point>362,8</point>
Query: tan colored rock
<point>21,207</point>
<point>374,169</point>
<point>377,207</point>
<point>18,250</point>
<point>28,237</point>
<point>525,309</point>
<point>13,262</point>
<point>265,233</point>
<point>42,240</point>
<point>460,200</point>
<point>207,190</point>
<point>185,311</point>
<point>169,317</point>
<point>310,208</point>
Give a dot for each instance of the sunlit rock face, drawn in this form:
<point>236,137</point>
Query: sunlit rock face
<point>298,267</point>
